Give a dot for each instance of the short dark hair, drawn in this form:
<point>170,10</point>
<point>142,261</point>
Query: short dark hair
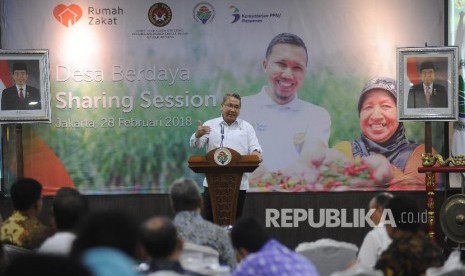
<point>285,38</point>
<point>426,65</point>
<point>403,209</point>
<point>113,228</point>
<point>19,66</point>
<point>382,199</point>
<point>159,237</point>
<point>249,234</point>
<point>185,195</point>
<point>229,95</point>
<point>69,206</point>
<point>25,192</point>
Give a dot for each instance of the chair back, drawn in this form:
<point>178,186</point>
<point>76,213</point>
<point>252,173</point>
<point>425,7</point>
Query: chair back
<point>452,267</point>
<point>358,270</point>
<point>197,257</point>
<point>329,255</point>
<point>12,251</point>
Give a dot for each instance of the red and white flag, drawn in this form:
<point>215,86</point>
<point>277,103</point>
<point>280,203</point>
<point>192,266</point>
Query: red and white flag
<point>5,75</point>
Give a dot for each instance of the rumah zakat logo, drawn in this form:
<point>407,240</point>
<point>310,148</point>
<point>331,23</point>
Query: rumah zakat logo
<point>160,14</point>
<point>235,13</point>
<point>67,15</point>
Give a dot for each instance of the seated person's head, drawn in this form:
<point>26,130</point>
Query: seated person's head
<point>69,206</point>
<point>185,195</point>
<point>26,194</point>
<point>405,213</point>
<point>160,238</point>
<point>378,203</point>
<point>248,236</point>
<point>107,228</point>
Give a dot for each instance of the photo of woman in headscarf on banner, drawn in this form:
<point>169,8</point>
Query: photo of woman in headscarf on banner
<point>383,134</point>
<point>382,158</point>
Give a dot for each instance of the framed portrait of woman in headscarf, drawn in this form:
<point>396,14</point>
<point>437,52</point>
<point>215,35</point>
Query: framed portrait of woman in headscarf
<point>427,83</point>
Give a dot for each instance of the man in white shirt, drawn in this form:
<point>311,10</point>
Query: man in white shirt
<point>69,206</point>
<point>231,132</point>
<point>286,125</point>
<point>377,240</point>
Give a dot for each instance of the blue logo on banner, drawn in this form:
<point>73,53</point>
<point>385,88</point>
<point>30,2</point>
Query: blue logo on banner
<point>235,13</point>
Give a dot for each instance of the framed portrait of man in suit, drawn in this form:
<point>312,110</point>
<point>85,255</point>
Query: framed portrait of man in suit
<point>427,80</point>
<point>24,86</point>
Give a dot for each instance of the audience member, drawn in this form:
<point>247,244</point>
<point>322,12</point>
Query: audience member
<point>186,203</point>
<point>411,252</point>
<point>377,240</point>
<point>46,265</point>
<point>261,255</point>
<point>163,246</point>
<point>69,206</point>
<point>23,227</point>
<point>107,242</point>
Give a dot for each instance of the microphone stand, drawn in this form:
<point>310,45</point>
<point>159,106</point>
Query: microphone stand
<point>222,135</point>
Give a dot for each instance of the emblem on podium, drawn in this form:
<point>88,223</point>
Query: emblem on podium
<point>222,156</point>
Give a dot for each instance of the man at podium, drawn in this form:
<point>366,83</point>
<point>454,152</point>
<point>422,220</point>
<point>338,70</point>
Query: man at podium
<point>231,132</point>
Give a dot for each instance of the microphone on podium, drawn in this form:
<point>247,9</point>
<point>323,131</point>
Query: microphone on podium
<point>222,135</point>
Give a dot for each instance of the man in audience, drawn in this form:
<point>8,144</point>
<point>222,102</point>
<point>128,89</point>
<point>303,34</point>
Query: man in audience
<point>186,203</point>
<point>262,255</point>
<point>23,227</point>
<point>163,246</point>
<point>377,240</point>
<point>69,206</point>
<point>411,252</point>
<point>108,243</point>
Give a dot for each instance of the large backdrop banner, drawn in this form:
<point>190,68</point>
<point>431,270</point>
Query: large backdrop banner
<point>130,80</point>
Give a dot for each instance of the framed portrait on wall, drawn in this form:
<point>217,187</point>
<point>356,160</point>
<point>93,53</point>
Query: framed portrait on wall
<point>427,83</point>
<point>24,86</point>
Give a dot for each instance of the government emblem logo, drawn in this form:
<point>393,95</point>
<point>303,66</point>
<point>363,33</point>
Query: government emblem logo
<point>222,156</point>
<point>160,14</point>
<point>204,13</point>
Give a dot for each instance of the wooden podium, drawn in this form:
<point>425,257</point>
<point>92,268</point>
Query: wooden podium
<point>223,168</point>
